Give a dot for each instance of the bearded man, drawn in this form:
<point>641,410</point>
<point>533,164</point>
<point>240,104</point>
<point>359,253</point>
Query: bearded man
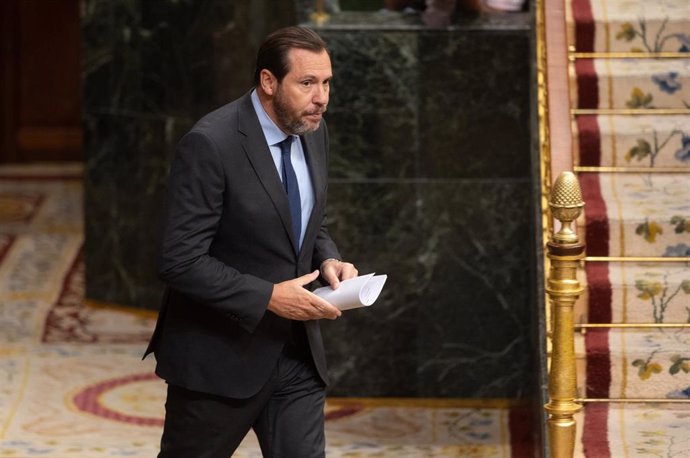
<point>238,339</point>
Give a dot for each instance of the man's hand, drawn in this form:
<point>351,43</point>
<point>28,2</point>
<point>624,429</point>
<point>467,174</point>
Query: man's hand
<point>290,300</point>
<point>334,271</point>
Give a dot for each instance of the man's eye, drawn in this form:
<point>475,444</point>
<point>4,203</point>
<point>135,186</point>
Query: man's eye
<point>306,83</point>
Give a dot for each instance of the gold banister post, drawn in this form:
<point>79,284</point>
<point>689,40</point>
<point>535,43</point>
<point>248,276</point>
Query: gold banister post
<point>565,253</point>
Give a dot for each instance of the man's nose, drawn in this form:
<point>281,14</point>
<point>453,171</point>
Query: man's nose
<point>320,95</point>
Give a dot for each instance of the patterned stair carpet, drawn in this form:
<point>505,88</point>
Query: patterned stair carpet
<point>635,292</point>
<point>637,214</point>
<point>632,83</point>
<point>72,383</point>
<point>633,141</point>
<point>628,25</point>
<point>631,148</point>
<point>633,430</point>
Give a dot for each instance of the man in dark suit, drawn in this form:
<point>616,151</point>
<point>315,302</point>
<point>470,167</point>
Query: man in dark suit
<point>238,338</point>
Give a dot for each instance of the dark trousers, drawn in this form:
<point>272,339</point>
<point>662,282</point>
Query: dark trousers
<point>286,415</point>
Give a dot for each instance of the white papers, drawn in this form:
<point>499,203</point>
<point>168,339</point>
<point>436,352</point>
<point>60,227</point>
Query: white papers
<point>356,292</point>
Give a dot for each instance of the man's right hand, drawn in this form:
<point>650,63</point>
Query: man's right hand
<point>290,300</point>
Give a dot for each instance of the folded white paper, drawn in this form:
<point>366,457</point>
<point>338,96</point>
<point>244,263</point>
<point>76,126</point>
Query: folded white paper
<point>355,292</point>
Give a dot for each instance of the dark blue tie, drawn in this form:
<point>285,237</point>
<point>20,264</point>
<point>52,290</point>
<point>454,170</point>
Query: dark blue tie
<point>292,189</point>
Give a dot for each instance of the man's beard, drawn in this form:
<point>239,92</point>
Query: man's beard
<point>290,123</point>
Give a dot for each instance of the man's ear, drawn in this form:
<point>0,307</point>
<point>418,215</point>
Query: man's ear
<point>268,82</point>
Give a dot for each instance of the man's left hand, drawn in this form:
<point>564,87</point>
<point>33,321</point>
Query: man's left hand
<point>334,271</point>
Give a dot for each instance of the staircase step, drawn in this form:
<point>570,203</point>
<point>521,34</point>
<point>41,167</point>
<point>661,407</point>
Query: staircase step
<point>631,84</point>
<point>628,25</point>
<point>633,141</point>
<point>635,363</point>
<point>635,292</point>
<point>626,430</point>
<point>636,215</point>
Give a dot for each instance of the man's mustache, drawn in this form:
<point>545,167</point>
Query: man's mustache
<point>319,111</point>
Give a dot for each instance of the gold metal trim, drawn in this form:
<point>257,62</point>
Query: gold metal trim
<point>636,259</point>
<point>575,142</point>
<point>544,150</point>
<point>565,252</point>
<point>607,169</point>
<point>630,325</point>
<point>543,115</point>
<point>628,55</point>
<point>629,112</point>
<point>635,400</point>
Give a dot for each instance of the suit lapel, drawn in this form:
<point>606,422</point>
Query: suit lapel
<point>256,149</point>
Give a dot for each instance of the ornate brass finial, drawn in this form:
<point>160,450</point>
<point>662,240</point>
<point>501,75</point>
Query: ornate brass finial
<point>566,205</point>
<point>319,16</point>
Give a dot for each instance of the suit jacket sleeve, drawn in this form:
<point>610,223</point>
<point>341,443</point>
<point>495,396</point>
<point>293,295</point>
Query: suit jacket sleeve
<point>195,205</point>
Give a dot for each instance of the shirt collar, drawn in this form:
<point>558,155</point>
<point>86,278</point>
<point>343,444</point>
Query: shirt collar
<point>272,132</point>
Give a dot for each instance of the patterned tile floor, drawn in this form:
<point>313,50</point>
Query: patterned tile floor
<point>72,383</point>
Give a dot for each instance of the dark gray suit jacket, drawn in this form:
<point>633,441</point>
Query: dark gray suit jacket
<point>227,239</point>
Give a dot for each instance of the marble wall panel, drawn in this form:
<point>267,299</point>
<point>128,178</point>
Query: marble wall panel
<point>454,318</point>
<point>373,103</point>
<point>375,144</point>
<point>125,182</point>
<point>375,226</point>
<point>478,84</point>
<point>474,328</point>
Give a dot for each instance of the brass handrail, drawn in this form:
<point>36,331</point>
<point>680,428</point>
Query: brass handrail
<point>565,252</point>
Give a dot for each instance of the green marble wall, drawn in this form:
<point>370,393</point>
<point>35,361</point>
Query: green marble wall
<point>431,184</point>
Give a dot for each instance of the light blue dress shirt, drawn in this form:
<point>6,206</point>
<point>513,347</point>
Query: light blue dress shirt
<point>274,136</point>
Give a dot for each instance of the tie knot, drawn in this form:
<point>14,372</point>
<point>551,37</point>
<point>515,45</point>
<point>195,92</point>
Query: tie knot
<point>286,145</point>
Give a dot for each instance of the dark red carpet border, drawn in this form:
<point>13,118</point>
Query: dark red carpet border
<point>587,84</point>
<point>589,140</point>
<point>584,25</point>
<point>596,215</point>
<point>598,369</point>
<point>69,327</point>
<point>600,292</point>
<point>595,430</point>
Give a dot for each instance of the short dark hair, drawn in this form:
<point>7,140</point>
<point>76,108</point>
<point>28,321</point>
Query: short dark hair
<point>273,52</point>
